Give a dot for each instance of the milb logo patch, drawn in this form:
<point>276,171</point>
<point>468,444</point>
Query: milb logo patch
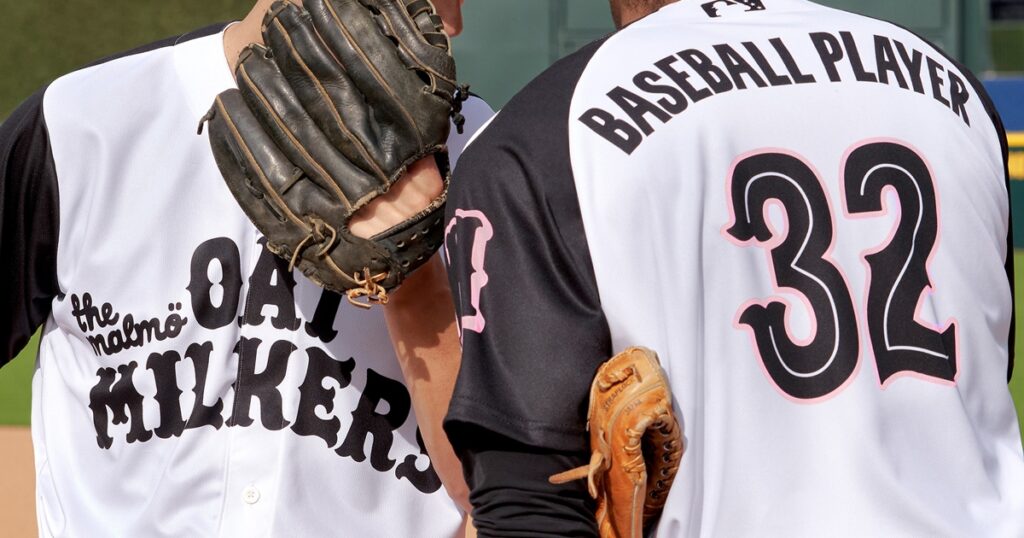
<point>719,8</point>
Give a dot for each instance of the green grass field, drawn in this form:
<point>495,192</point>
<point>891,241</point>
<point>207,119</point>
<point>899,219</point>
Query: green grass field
<point>16,378</point>
<point>16,386</point>
<point>44,38</point>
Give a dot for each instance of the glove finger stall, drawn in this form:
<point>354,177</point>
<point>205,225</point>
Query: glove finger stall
<point>290,212</point>
<point>321,85</point>
<point>394,92</point>
<point>269,96</point>
<point>253,168</point>
<point>424,46</point>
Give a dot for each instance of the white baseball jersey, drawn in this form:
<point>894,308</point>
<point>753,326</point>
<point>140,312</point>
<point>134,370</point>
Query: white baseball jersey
<point>804,212</point>
<point>187,384</point>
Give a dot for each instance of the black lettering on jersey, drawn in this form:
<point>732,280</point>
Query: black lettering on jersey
<point>899,272</point>
<point>716,79</point>
<point>738,67</point>
<point>792,67</point>
<point>960,97</point>
<point>88,316</point>
<point>168,395</point>
<point>822,365</point>
<point>215,301</point>
<point>617,131</point>
<point>316,397</point>
<point>367,421</point>
<point>322,324</point>
<point>261,385</point>
<point>271,283</point>
<point>682,79</point>
<point>859,72</point>
<point>202,414</point>
<point>637,107</point>
<point>123,399</point>
<point>913,60</point>
<point>663,98</point>
<point>138,334</point>
<point>674,102</point>
<point>885,60</point>
<point>774,78</point>
<point>313,394</point>
<point>426,480</point>
<point>719,8</point>
<point>130,334</point>
<point>830,52</point>
<point>935,72</point>
<point>889,70</point>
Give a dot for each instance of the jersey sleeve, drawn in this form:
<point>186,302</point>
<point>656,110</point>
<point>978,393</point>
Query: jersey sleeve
<point>29,226</point>
<point>531,321</point>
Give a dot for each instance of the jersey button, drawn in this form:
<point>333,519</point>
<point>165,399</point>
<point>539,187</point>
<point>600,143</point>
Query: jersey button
<point>251,495</point>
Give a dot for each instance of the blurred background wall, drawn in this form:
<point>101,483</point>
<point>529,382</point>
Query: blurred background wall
<point>506,43</point>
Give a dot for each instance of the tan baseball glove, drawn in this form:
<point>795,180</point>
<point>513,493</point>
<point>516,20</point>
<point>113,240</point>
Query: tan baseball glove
<point>636,442</point>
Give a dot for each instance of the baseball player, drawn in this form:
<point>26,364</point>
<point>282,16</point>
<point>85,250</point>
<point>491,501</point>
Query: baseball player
<point>187,383</point>
<point>805,213</point>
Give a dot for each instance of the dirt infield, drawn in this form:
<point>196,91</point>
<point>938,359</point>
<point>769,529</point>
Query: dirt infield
<point>17,487</point>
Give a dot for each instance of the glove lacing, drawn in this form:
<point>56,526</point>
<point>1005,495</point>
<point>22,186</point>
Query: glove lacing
<point>316,235</point>
<point>369,287</point>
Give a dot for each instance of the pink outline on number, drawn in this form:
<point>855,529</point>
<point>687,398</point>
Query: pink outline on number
<point>775,241</point>
<point>862,309</point>
<point>478,279</point>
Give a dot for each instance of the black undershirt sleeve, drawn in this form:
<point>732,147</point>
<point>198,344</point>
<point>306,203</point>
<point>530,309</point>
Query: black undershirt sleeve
<point>29,226</point>
<point>531,321</point>
<point>512,495</point>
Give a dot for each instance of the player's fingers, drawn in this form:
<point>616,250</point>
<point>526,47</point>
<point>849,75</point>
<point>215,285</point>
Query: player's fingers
<point>274,103</point>
<point>352,34</point>
<point>424,49</point>
<point>321,84</point>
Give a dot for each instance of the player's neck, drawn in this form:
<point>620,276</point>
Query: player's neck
<point>245,32</point>
<point>625,13</point>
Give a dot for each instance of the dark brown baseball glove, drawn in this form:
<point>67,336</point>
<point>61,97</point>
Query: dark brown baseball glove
<point>343,98</point>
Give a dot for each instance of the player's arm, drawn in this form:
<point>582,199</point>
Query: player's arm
<point>29,226</point>
<point>532,325</point>
<point>421,322</point>
<point>532,336</point>
<point>291,32</point>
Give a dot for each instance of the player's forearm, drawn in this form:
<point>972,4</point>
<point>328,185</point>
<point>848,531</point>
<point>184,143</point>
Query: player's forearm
<point>421,321</point>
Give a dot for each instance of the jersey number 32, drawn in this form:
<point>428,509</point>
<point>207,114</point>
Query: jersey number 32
<point>799,260</point>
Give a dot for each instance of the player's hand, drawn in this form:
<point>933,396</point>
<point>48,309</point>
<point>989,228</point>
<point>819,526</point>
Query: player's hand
<point>420,186</point>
